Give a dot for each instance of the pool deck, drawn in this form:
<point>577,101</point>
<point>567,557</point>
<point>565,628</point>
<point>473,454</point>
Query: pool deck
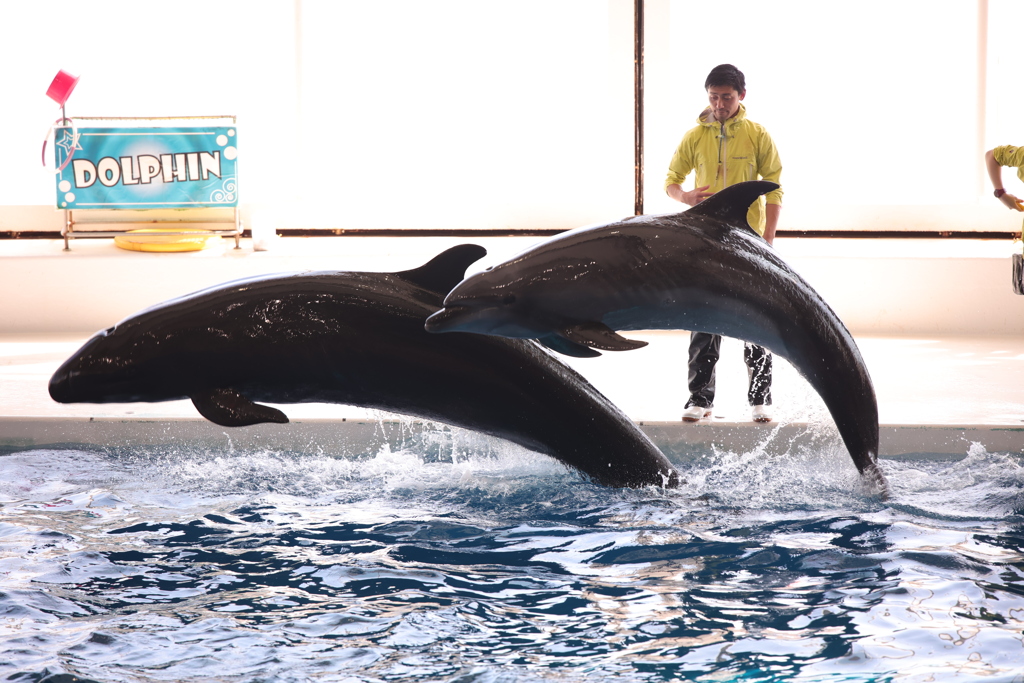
<point>937,393</point>
<point>934,396</point>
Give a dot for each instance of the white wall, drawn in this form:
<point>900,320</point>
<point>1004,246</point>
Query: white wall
<point>464,114</point>
<point>872,103</point>
<point>495,114</point>
<point>189,57</point>
<point>885,287</point>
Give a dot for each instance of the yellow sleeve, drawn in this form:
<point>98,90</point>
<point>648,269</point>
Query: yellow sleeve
<point>769,166</point>
<point>682,162</point>
<point>1008,155</point>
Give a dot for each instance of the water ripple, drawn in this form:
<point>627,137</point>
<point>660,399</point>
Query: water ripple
<point>497,565</point>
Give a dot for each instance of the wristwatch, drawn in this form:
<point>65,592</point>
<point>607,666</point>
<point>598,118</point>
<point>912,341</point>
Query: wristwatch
<point>999,193</point>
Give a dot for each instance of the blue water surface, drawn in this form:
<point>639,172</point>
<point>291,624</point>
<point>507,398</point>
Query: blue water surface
<point>465,559</point>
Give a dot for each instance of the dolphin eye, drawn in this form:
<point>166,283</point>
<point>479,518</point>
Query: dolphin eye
<point>508,299</point>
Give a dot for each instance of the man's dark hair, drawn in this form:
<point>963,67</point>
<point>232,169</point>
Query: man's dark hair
<point>726,75</point>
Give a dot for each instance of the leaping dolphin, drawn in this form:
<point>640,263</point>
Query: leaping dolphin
<point>358,339</point>
<point>702,269</point>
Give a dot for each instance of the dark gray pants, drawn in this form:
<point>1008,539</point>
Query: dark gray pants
<point>704,352</point>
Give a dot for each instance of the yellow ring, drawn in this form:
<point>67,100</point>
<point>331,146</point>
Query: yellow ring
<point>164,240</point>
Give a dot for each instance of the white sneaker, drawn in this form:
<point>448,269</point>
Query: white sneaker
<point>694,413</point>
<point>761,413</point>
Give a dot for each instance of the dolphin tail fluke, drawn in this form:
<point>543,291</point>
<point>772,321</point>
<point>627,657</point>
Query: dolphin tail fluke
<point>873,478</point>
<point>228,408</point>
<point>599,336</point>
<point>568,348</point>
<point>730,205</point>
<point>445,270</point>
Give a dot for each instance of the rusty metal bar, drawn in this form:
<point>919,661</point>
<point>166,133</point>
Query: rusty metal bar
<point>638,105</point>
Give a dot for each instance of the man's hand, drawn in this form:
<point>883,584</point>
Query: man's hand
<point>696,195</point>
<point>1012,202</point>
<point>691,198</point>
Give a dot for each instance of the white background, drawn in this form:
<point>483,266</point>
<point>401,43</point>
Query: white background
<point>492,114</point>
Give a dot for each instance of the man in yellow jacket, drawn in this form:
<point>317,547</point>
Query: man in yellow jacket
<point>726,148</point>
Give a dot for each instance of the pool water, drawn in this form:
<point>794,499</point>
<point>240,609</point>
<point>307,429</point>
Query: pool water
<point>465,559</point>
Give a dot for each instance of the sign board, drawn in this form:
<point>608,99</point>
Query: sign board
<point>147,168</point>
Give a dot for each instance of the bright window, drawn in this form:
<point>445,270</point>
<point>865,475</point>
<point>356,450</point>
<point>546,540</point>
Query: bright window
<point>870,103</point>
<point>462,114</point>
<point>450,114</point>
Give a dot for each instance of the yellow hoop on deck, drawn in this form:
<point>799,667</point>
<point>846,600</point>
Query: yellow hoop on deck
<point>166,240</point>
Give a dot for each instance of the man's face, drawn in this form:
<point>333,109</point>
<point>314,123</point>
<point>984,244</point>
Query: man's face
<point>725,101</point>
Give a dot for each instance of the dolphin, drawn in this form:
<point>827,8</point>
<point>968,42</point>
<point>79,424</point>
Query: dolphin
<point>357,338</point>
<point>700,269</point>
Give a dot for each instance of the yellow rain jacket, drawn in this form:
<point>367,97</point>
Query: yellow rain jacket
<point>724,154</point>
<point>1008,155</point>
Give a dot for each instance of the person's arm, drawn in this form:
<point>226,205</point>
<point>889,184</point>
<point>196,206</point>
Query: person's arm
<point>771,221</point>
<point>679,167</point>
<point>770,168</point>
<point>691,198</point>
<point>995,174</point>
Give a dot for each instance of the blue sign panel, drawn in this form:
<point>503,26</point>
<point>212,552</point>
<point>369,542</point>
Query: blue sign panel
<point>146,168</point>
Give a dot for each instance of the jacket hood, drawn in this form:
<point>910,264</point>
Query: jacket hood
<point>706,118</point>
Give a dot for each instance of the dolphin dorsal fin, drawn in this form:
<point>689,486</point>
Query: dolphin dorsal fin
<point>441,273</point>
<point>731,204</point>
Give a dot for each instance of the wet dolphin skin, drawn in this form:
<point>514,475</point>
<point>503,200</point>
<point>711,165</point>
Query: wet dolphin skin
<point>357,338</point>
<point>702,269</point>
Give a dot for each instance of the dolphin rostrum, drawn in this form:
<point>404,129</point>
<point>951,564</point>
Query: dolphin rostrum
<point>357,338</point>
<point>702,269</point>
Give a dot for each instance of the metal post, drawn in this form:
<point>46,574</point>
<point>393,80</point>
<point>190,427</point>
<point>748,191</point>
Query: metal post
<point>638,105</point>
<point>981,98</point>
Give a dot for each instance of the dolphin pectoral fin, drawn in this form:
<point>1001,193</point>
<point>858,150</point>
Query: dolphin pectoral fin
<point>600,336</point>
<point>566,347</point>
<point>228,408</point>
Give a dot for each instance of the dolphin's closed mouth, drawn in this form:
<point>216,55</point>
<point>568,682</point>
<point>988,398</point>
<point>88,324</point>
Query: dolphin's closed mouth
<point>60,388</point>
<point>446,320</point>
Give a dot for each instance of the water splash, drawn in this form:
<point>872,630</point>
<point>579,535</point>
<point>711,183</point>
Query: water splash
<point>464,558</point>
